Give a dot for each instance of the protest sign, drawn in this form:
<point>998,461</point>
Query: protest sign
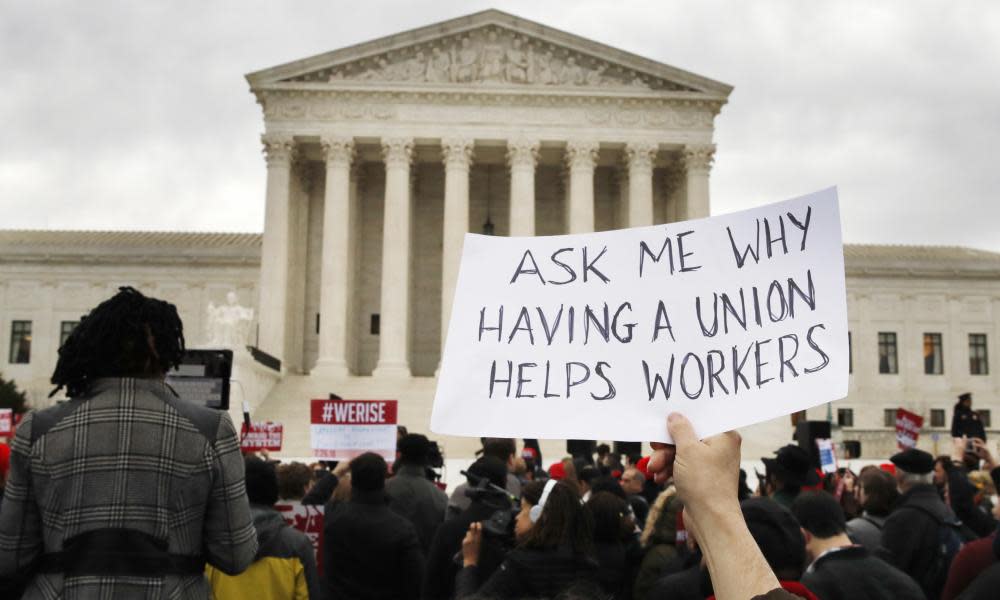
<point>907,428</point>
<point>6,421</point>
<point>730,320</point>
<point>827,456</point>
<point>262,436</point>
<point>345,429</point>
<point>309,520</point>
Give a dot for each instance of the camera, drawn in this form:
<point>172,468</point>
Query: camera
<point>500,524</point>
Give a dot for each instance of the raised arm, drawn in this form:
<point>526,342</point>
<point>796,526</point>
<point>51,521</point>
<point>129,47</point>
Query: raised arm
<point>706,474</point>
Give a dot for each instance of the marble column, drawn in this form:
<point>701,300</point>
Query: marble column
<point>393,353</point>
<point>275,247</point>
<point>639,157</point>
<point>522,158</point>
<point>581,158</point>
<point>697,165</point>
<point>335,281</point>
<point>674,191</point>
<point>457,154</point>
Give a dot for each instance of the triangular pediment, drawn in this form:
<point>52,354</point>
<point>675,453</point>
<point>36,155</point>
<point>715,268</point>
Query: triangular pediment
<point>489,49</point>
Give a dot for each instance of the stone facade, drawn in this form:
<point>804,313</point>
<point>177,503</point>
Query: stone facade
<point>55,276</point>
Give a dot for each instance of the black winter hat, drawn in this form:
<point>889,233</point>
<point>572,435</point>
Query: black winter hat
<point>777,534</point>
<point>794,464</point>
<point>915,461</point>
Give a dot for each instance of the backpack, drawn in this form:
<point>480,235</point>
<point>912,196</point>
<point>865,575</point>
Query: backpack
<point>950,538</point>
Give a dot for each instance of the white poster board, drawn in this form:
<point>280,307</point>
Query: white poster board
<point>730,320</point>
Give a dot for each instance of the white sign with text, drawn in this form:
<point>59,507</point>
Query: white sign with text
<point>730,320</point>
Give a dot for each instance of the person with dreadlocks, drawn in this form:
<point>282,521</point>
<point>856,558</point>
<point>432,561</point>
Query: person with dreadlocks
<point>124,490</point>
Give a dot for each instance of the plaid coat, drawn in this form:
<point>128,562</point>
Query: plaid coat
<point>130,455</point>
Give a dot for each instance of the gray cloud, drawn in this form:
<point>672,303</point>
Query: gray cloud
<point>136,115</point>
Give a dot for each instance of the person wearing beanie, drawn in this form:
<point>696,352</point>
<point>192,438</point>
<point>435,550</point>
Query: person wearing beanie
<point>914,534</point>
<point>839,569</point>
<point>370,552</point>
<point>780,540</point>
<point>411,494</point>
<point>487,473</point>
<point>787,473</point>
<point>285,564</point>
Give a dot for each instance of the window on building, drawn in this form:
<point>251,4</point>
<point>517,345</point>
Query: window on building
<point>20,342</point>
<point>984,416</point>
<point>889,417</point>
<point>978,363</point>
<point>66,328</point>
<point>933,354</point>
<point>850,354</point>
<point>845,417</point>
<point>887,353</point>
<point>937,417</point>
<point>375,326</point>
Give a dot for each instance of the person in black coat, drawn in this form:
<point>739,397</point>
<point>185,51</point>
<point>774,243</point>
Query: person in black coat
<point>911,536</point>
<point>370,552</point>
<point>965,421</point>
<point>616,546</point>
<point>840,570</point>
<point>411,494</point>
<point>555,550</point>
<point>439,582</point>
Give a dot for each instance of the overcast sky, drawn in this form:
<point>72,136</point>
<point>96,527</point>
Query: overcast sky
<point>135,115</point>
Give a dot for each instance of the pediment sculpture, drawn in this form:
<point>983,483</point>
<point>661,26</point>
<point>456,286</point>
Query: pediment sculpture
<point>492,56</point>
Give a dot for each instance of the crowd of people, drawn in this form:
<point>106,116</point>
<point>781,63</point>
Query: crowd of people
<point>126,491</point>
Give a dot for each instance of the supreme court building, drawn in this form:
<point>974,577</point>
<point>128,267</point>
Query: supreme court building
<point>381,156</point>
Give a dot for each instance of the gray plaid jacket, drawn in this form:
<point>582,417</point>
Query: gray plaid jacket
<point>130,455</point>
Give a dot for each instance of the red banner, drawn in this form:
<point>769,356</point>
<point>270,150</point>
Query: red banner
<point>353,412</point>
<point>908,426</point>
<point>263,436</point>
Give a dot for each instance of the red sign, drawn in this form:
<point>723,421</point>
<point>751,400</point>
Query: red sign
<point>345,429</point>
<point>907,428</point>
<point>6,422</point>
<point>262,436</point>
<point>308,520</point>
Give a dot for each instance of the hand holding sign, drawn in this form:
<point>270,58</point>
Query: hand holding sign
<point>730,320</point>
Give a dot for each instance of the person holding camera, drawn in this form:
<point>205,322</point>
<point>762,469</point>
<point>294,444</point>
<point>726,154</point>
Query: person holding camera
<point>124,490</point>
<point>555,550</point>
<point>487,497</point>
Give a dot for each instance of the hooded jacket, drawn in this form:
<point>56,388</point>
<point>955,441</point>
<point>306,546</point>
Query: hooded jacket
<point>661,545</point>
<point>284,567</point>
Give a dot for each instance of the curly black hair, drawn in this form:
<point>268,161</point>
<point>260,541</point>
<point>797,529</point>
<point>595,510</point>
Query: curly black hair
<point>128,335</point>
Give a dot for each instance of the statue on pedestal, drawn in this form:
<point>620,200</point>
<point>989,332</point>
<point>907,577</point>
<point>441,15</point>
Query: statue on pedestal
<point>228,325</point>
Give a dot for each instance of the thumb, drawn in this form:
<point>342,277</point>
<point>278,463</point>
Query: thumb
<point>681,430</point>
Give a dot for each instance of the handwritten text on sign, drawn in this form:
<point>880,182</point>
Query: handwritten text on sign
<point>730,320</point>
<point>345,429</point>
